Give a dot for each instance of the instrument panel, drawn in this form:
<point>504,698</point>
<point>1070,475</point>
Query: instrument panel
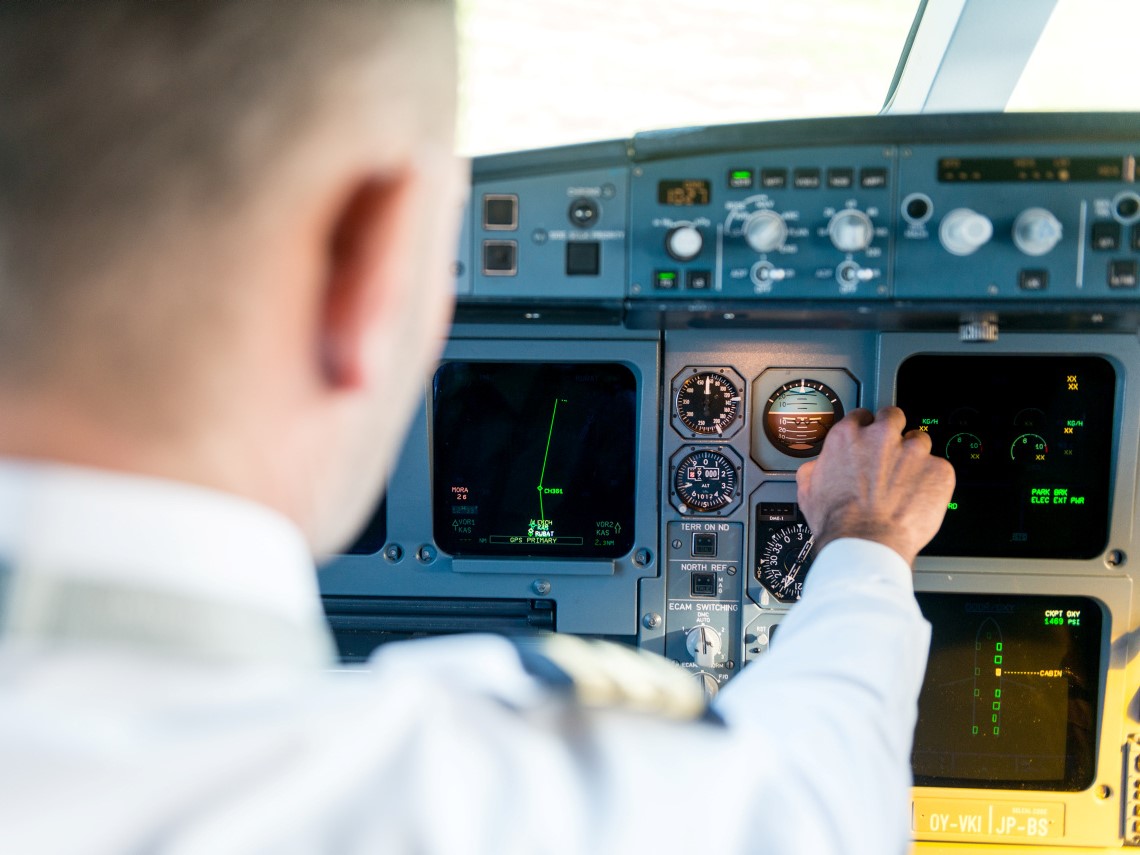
<point>654,334</point>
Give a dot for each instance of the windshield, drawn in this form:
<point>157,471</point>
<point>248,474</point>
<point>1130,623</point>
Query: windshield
<point>552,72</point>
<point>1085,59</point>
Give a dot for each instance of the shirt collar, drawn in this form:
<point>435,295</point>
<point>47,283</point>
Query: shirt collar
<point>90,552</point>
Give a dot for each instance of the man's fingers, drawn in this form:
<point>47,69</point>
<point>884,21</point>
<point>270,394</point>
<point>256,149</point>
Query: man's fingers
<point>892,418</point>
<point>920,437</point>
<point>859,416</point>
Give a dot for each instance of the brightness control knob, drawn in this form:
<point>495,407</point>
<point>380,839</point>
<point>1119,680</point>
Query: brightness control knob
<point>766,231</point>
<point>851,231</point>
<point>684,243</point>
<point>1036,231</point>
<point>964,232</point>
<point>704,645</point>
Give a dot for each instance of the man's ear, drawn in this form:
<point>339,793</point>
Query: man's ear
<point>367,271</point>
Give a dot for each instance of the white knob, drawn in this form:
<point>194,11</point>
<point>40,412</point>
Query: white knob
<point>765,231</point>
<point>708,685</point>
<point>964,232</point>
<point>704,645</point>
<point>851,231</point>
<point>1036,231</point>
<point>684,243</point>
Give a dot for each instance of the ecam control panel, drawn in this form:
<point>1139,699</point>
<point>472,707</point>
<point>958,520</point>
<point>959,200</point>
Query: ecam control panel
<point>654,334</point>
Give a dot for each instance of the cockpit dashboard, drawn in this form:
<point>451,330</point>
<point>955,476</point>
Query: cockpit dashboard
<point>653,334</point>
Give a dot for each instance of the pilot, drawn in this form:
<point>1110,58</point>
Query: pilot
<point>224,237</point>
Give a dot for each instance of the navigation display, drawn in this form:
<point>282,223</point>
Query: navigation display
<point>1011,694</point>
<point>1030,438</point>
<point>534,459</point>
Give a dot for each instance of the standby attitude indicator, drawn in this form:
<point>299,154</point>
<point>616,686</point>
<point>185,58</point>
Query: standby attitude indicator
<point>798,416</point>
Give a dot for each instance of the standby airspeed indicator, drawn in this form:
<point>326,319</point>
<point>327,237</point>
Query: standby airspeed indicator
<point>708,403</point>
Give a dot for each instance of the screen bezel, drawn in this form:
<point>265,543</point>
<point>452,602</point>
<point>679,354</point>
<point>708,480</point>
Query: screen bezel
<point>616,376</point>
<point>1080,767</point>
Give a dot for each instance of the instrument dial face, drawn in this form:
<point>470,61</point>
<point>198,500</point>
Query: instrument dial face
<point>964,447</point>
<point>708,402</point>
<point>1029,448</point>
<point>798,416</point>
<point>706,480</point>
<point>783,561</point>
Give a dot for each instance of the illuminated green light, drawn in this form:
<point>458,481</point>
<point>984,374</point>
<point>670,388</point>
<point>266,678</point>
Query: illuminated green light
<point>997,660</point>
<point>975,730</point>
<point>997,731</point>
<point>742,175</point>
<point>996,706</point>
<point>997,693</point>
<point>997,647</point>
<point>952,506</point>
<point>668,276</point>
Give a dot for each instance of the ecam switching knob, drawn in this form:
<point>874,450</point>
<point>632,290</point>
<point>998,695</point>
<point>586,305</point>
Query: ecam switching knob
<point>684,243</point>
<point>964,232</point>
<point>1036,231</point>
<point>765,231</point>
<point>704,645</point>
<point>851,231</point>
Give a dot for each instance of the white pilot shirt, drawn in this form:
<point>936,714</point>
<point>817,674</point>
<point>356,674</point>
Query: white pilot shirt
<point>167,685</point>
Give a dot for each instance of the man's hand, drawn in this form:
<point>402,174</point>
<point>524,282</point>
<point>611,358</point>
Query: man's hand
<point>874,482</point>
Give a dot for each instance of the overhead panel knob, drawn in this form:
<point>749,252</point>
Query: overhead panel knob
<point>1036,231</point>
<point>964,232</point>
<point>851,231</point>
<point>704,645</point>
<point>766,231</point>
<point>684,243</point>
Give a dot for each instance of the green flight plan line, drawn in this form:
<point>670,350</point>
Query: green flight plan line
<point>545,457</point>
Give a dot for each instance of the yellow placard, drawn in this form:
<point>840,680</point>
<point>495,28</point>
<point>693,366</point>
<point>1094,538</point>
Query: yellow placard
<point>981,819</point>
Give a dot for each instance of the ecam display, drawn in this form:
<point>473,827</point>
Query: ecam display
<point>1030,438</point>
<point>1011,694</point>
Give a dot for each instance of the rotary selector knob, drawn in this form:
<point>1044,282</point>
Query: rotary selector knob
<point>684,243</point>
<point>704,645</point>
<point>765,231</point>
<point>708,685</point>
<point>851,231</point>
<point>964,232</point>
<point>1036,231</point>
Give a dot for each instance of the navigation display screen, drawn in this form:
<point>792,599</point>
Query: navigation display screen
<point>534,459</point>
<point>1030,438</point>
<point>1011,694</point>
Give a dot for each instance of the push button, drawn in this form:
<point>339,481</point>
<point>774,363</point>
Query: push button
<point>773,179</point>
<point>500,257</point>
<point>665,280</point>
<point>741,179</point>
<point>583,258</point>
<point>840,178</point>
<point>703,585</point>
<point>1122,274</point>
<point>704,544</point>
<point>500,212</point>
<point>806,179</point>
<point>873,178</point>
<point>1106,235</point>
<point>1033,280</point>
<point>698,280</point>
